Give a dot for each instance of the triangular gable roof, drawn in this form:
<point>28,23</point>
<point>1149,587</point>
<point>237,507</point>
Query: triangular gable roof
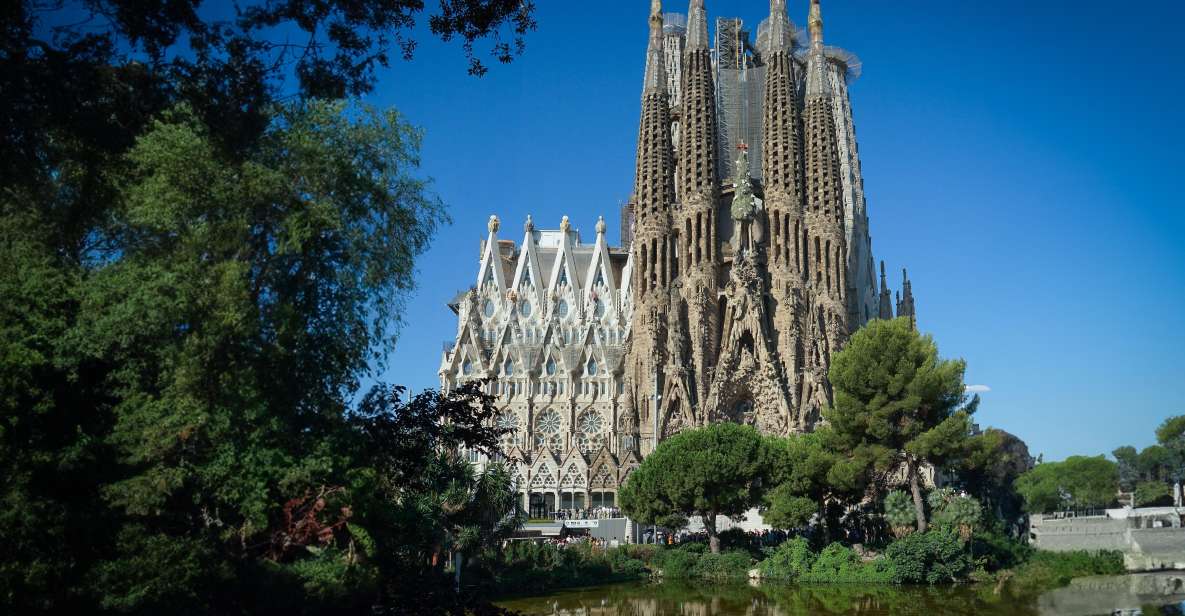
<point>575,457</point>
<point>565,262</point>
<point>528,263</point>
<point>599,263</point>
<point>491,260</point>
<point>546,457</point>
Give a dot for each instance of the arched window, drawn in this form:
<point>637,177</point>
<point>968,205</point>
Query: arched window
<point>508,368</point>
<point>598,308</point>
<point>466,367</point>
<point>487,308</point>
<point>550,367</point>
<point>562,308</point>
<point>525,309</point>
<point>591,367</point>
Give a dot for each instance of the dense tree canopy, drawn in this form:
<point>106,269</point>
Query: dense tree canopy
<point>201,257</point>
<point>897,405</point>
<point>798,480</point>
<point>717,470</point>
<point>1079,482</point>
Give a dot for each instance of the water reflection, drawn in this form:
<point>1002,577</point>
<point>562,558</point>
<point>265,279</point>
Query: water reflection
<point>1117,595</point>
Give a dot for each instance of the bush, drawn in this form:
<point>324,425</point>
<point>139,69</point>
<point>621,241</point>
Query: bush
<point>788,561</point>
<point>838,564</point>
<point>995,550</point>
<point>526,566</point>
<point>675,562</point>
<point>950,510</point>
<point>724,566</point>
<point>1152,494</point>
<point>1044,570</point>
<point>931,558</point>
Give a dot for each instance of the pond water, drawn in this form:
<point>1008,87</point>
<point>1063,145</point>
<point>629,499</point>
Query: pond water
<point>1126,595</point>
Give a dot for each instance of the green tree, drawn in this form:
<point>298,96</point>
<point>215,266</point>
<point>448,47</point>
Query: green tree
<point>1171,435</point>
<point>1155,462</point>
<point>900,513</point>
<point>1079,482</point>
<point>897,405</point>
<point>712,471</point>
<point>1128,461</point>
<point>798,476</point>
<point>991,463</point>
<point>951,511</point>
<point>1152,494</point>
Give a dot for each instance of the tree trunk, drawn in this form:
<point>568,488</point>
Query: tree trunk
<point>713,538</point>
<point>915,487</point>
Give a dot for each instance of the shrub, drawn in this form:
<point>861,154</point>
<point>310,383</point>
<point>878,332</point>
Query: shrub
<point>675,562</point>
<point>950,510</point>
<point>1153,494</point>
<point>900,513</point>
<point>1045,570</point>
<point>789,561</point>
<point>995,550</point>
<point>724,566</point>
<point>930,558</point>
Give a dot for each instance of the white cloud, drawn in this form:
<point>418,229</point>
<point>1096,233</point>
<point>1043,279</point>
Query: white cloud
<point>977,389</point>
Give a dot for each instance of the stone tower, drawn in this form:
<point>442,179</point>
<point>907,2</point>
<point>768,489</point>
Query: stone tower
<point>653,250</point>
<point>736,282</point>
<point>699,190</point>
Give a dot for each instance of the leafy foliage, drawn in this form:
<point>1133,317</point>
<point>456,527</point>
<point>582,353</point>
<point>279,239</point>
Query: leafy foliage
<point>896,403</point>
<point>1152,494</point>
<point>932,557</point>
<point>954,512</point>
<point>992,461</point>
<point>899,512</point>
<point>1044,570</point>
<point>799,468</point>
<point>1077,483</point>
<point>711,471</point>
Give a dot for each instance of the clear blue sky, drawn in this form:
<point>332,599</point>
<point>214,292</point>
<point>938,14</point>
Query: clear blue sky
<point>1022,158</point>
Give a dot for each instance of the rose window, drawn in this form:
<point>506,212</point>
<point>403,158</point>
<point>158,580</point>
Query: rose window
<point>508,421</point>
<point>590,439</point>
<point>547,432</point>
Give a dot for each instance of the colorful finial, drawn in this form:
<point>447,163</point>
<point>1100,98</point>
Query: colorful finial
<point>601,226</point>
<point>565,226</point>
<point>493,224</point>
<point>815,23</point>
<point>529,226</point>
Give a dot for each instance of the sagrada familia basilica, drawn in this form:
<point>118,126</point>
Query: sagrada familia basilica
<point>746,262</point>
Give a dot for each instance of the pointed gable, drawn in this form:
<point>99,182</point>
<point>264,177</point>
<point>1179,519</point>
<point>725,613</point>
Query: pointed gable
<point>564,273</point>
<point>491,272</point>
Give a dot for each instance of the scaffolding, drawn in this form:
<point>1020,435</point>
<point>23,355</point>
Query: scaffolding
<point>740,91</point>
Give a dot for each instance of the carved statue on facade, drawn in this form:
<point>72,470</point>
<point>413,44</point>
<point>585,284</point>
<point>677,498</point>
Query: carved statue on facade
<point>747,229</point>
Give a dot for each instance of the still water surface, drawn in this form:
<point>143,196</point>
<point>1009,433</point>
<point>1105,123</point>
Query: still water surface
<point>1128,595</point>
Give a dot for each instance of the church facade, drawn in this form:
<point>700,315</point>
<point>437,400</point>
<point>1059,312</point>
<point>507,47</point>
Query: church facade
<point>736,282</point>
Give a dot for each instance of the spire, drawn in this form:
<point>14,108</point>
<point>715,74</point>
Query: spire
<point>654,180</point>
<point>529,226</point>
<point>697,26</point>
<point>817,82</point>
<point>780,31</point>
<point>905,303</point>
<point>697,127</point>
<point>656,75</point>
<point>885,311</point>
<point>815,23</point>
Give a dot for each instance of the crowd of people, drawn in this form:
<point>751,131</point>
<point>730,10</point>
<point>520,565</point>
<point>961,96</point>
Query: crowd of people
<point>589,513</point>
